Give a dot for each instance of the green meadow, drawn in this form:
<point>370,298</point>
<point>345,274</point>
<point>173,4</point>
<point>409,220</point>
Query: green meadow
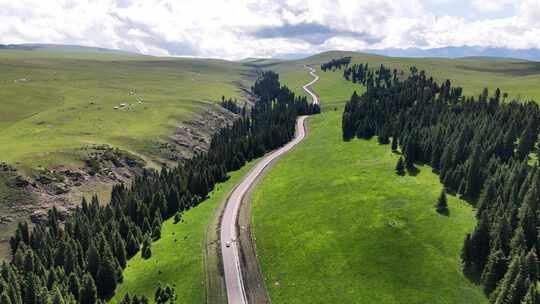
<point>334,223</point>
<point>519,78</point>
<point>178,258</point>
<point>54,103</point>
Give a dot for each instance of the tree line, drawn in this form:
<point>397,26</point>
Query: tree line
<point>81,259</point>
<point>480,148</point>
<point>336,63</point>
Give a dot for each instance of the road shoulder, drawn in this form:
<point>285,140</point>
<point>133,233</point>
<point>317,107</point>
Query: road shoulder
<point>253,278</point>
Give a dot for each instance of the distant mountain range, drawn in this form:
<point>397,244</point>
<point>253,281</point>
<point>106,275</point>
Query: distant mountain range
<point>460,52</point>
<point>62,48</point>
<point>443,52</point>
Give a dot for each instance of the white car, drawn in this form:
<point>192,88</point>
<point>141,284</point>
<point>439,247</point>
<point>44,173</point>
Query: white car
<point>228,244</point>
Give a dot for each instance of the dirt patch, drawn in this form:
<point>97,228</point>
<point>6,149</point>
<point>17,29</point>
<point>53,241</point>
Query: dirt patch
<point>192,137</point>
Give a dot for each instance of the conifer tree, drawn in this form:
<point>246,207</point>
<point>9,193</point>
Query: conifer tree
<point>74,285</point>
<point>166,295</point>
<point>57,297</point>
<point>527,141</point>
<point>132,245</point>
<point>106,278</point>
<point>126,299</point>
<point>88,292</point>
<point>31,289</point>
<point>146,251</point>
<point>532,296</point>
<point>467,255</point>
<point>92,260</point>
<point>531,265</point>
<point>442,203</point>
<point>494,271</point>
<point>4,298</point>
<point>480,243</point>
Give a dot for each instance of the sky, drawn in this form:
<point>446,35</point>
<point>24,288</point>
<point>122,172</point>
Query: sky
<point>236,29</point>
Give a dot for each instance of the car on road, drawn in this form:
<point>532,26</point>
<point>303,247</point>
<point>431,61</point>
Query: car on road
<point>228,244</point>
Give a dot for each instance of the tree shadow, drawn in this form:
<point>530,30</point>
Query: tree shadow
<point>445,212</point>
<point>473,274</point>
<point>412,171</point>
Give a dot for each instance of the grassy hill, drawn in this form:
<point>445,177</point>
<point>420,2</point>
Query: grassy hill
<point>334,223</point>
<point>519,78</point>
<point>52,106</point>
<point>178,258</point>
<point>59,103</point>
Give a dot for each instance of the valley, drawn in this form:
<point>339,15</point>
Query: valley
<point>330,221</point>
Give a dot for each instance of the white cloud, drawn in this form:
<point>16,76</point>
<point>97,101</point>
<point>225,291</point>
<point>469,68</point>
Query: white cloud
<point>241,28</point>
<point>492,5</point>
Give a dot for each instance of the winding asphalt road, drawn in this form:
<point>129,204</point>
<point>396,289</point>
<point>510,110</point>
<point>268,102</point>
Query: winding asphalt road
<point>236,293</point>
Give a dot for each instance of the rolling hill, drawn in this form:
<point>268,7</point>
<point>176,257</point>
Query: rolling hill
<point>331,220</point>
<point>334,223</point>
<point>76,120</point>
<point>461,52</point>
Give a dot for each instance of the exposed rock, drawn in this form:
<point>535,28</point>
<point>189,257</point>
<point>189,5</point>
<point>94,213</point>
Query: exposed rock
<point>19,182</point>
<point>38,216</point>
<point>105,165</point>
<point>60,189</point>
<point>4,219</point>
<point>5,167</point>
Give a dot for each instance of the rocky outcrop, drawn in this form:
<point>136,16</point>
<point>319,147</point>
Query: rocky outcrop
<point>104,166</point>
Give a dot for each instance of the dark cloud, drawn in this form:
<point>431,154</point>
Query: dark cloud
<point>314,33</point>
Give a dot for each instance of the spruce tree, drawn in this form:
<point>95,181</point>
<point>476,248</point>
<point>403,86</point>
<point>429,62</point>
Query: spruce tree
<point>531,265</point>
<point>394,144</point>
<point>92,260</point>
<point>480,243</point>
<point>106,278</point>
<point>494,271</point>
<point>532,296</point>
<point>467,256</point>
<point>146,251</point>
<point>57,297</point>
<point>31,289</point>
<point>442,203</point>
<point>527,140</point>
<point>4,298</point>
<point>132,245</point>
<point>165,295</point>
<point>88,293</point>
<point>74,285</point>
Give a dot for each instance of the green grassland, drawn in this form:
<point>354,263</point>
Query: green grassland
<point>333,223</point>
<point>178,258</point>
<point>520,79</point>
<point>55,102</point>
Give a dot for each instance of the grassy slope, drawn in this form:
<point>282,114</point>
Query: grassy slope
<point>332,221</point>
<point>182,262</point>
<point>67,101</point>
<point>518,78</point>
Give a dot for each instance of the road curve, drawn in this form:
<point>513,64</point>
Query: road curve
<point>236,293</point>
<point>306,88</point>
